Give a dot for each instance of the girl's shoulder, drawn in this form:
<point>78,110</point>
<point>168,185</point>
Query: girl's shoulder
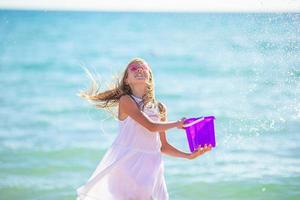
<point>125,101</point>
<point>125,98</point>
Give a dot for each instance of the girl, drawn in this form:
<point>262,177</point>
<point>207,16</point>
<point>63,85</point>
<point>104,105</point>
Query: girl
<point>132,168</point>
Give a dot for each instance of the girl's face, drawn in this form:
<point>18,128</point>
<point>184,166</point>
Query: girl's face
<point>137,73</point>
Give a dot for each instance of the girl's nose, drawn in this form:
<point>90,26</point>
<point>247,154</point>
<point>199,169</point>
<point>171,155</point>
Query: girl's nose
<point>140,69</point>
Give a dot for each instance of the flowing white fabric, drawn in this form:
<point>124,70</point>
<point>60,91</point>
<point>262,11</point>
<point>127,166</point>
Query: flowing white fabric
<point>132,168</point>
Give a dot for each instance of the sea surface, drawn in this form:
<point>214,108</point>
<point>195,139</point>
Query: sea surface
<point>242,68</point>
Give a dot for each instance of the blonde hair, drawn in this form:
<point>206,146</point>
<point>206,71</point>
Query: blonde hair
<point>110,98</point>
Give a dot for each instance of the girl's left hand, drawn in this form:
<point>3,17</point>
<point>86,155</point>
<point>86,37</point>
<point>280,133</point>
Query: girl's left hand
<point>199,152</point>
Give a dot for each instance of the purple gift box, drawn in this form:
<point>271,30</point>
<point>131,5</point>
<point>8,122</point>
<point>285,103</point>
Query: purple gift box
<point>200,131</point>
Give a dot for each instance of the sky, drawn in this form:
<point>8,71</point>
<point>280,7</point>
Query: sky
<point>157,5</point>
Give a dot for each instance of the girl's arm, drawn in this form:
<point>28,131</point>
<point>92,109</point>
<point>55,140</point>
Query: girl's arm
<point>130,108</point>
<point>166,148</point>
<point>170,150</point>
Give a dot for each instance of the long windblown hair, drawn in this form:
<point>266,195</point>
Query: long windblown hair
<point>110,98</point>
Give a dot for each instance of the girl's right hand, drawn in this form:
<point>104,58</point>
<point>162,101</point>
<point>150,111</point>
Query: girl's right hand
<point>180,123</point>
<point>199,152</point>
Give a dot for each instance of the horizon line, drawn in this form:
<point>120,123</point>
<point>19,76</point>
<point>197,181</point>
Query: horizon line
<point>233,6</point>
<point>145,11</point>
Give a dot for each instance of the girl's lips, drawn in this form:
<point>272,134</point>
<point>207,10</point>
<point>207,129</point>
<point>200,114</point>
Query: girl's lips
<point>139,75</point>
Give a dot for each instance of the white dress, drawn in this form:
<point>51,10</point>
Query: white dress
<point>132,168</point>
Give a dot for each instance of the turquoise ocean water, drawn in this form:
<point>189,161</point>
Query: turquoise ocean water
<point>242,68</point>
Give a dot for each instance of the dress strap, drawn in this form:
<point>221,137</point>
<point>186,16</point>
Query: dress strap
<point>135,102</point>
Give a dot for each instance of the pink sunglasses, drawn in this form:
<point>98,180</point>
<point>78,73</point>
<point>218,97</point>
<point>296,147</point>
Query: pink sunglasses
<point>134,66</point>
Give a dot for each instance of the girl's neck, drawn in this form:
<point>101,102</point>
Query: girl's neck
<point>138,90</point>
